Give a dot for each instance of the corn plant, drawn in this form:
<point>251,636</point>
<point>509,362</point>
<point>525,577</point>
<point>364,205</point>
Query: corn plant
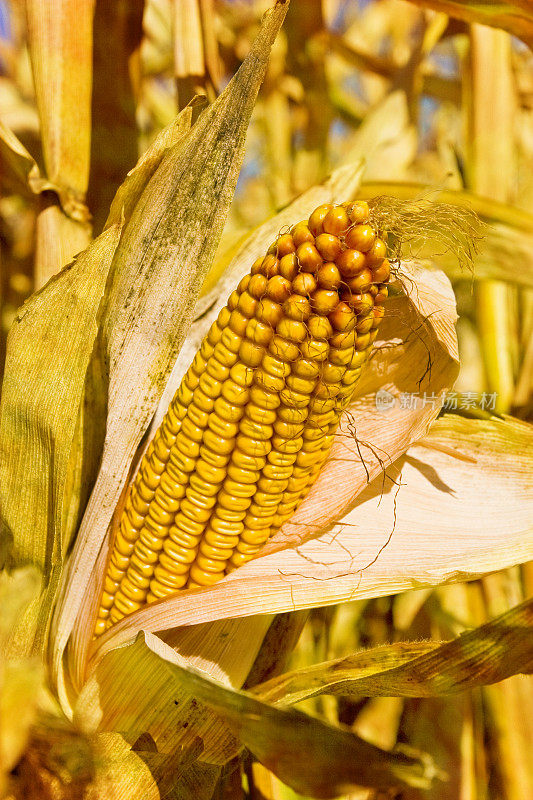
<point>221,435</point>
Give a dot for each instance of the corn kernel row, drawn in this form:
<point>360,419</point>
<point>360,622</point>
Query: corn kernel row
<point>254,417</point>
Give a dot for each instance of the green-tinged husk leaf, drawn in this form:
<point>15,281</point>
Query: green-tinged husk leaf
<point>51,338</point>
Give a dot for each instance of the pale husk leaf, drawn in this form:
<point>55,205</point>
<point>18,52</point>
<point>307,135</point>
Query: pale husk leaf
<point>386,139</point>
<point>455,478</point>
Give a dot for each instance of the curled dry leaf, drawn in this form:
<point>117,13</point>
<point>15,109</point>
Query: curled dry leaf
<point>487,654</point>
<point>17,161</point>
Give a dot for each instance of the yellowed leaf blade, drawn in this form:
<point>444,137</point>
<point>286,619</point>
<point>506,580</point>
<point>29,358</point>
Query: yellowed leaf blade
<point>144,774</point>
<point>161,262</point>
<point>51,338</point>
<point>60,46</point>
<point>17,591</point>
<point>20,679</point>
<point>507,247</point>
<point>58,239</point>
<point>485,655</point>
<point>170,713</point>
<point>311,756</point>
<point>514,16</point>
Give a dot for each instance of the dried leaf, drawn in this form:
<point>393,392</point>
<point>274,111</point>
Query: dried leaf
<point>52,337</point>
<point>135,773</point>
<point>21,679</point>
<point>17,592</point>
<point>485,655</point>
<point>16,159</point>
<point>59,238</point>
<point>455,477</point>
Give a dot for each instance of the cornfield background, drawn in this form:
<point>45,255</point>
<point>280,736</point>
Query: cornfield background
<point>438,106</point>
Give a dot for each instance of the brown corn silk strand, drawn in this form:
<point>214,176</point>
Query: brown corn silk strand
<point>254,417</point>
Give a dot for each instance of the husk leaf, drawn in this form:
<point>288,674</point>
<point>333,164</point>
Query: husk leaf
<point>455,477</point>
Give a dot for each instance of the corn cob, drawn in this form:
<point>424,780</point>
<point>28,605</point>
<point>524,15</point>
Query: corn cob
<point>254,417</point>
